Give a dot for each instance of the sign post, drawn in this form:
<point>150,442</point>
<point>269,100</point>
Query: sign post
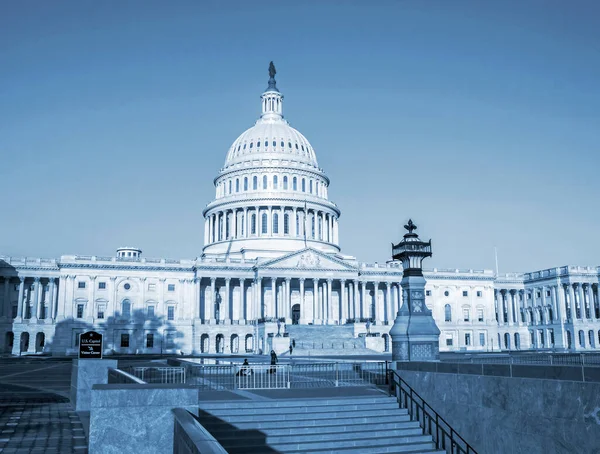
<point>90,345</point>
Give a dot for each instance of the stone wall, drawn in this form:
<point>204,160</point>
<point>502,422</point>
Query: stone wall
<point>498,412</point>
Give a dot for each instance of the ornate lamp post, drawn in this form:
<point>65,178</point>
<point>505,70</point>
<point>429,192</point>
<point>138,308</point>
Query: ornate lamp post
<point>415,336</point>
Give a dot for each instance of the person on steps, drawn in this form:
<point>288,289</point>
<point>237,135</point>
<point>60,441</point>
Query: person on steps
<point>273,362</point>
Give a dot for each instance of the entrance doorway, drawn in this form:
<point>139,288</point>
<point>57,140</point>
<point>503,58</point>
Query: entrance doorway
<point>295,314</point>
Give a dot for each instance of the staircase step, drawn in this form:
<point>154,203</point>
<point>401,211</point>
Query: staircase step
<point>230,439</point>
<point>298,417</point>
<point>211,424</point>
<point>415,448</point>
<point>277,403</point>
<point>297,410</point>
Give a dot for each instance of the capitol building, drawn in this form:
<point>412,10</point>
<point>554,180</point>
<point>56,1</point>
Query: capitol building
<point>272,264</point>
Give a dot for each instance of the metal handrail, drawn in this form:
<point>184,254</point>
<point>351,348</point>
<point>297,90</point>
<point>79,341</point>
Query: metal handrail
<point>444,436</point>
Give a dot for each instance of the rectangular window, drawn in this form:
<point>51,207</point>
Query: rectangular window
<point>125,340</point>
<point>466,316</point>
<point>467,339</point>
<point>100,311</point>
<point>149,340</point>
<point>171,287</point>
<point>449,341</point>
<point>170,340</point>
<point>126,309</point>
<point>479,315</point>
<point>171,313</point>
<point>465,293</point>
<point>81,284</point>
<point>538,294</point>
<point>482,339</point>
<point>80,311</point>
<point>150,311</point>
<point>151,287</point>
<point>479,293</point>
<point>427,292</point>
<point>101,285</point>
<point>14,311</point>
<point>551,333</point>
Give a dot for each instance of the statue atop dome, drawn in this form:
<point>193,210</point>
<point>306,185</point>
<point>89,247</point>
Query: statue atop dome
<point>272,70</point>
<point>272,82</point>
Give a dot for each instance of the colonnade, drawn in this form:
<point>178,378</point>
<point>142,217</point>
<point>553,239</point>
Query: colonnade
<point>37,298</point>
<point>271,221</point>
<point>320,301</point>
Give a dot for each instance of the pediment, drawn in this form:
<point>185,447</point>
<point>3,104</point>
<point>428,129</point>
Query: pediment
<point>308,259</point>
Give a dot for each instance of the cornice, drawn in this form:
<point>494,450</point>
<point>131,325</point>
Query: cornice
<point>120,267</point>
<point>242,203</point>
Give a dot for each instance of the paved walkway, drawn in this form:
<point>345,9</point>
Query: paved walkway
<point>35,414</point>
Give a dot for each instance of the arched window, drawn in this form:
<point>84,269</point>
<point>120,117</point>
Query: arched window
<point>255,182</point>
<point>286,224</point>
<point>290,145</point>
<point>313,226</point>
<point>274,143</point>
<point>253,224</point>
<point>591,338</point>
<point>447,313</point>
<point>295,184</point>
<point>275,223</point>
<point>285,181</point>
<point>230,186</point>
<point>301,233</point>
<point>274,181</point>
<point>264,223</point>
<point>310,186</point>
<point>258,144</point>
<point>126,308</point>
<point>581,338</point>
<point>303,185</point>
<point>320,228</point>
<point>242,225</point>
<point>237,185</point>
<point>517,341</point>
<point>220,228</point>
<point>317,188</point>
<point>569,340</point>
<point>245,183</point>
<point>507,341</point>
<point>264,182</point>
<point>251,145</point>
<point>282,144</point>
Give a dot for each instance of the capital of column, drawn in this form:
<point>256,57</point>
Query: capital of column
<point>93,278</point>
<point>329,281</point>
<point>113,278</point>
<point>227,280</point>
<point>302,279</point>
<point>36,280</point>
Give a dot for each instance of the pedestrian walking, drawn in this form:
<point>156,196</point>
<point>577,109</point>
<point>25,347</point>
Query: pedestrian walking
<point>273,362</point>
<point>291,349</point>
<point>294,343</point>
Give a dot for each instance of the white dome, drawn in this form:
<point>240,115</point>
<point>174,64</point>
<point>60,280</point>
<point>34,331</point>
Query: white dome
<point>271,138</point>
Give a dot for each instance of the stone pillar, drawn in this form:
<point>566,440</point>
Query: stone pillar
<point>356,302</point>
<point>315,300</point>
<point>86,373</point>
<point>259,305</point>
<point>288,300</point>
<point>555,312</point>
<point>234,231</point>
<point>506,303</point>
<point>273,305</point>
<point>388,302</point>
<point>329,303</point>
<point>243,312</point>
<point>36,301</point>
<point>513,311</point>
<point>580,302</point>
<point>227,302</point>
<point>343,303</point>
<point>590,304</point>
<point>366,310</point>
<point>210,306</point>
<point>302,305</point>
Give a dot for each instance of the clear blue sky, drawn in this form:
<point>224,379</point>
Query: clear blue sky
<point>478,119</point>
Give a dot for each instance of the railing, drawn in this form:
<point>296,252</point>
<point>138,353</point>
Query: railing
<point>554,359</point>
<point>350,345</point>
<point>159,374</point>
<point>295,375</point>
<point>118,376</point>
<point>190,437</point>
<point>444,436</point>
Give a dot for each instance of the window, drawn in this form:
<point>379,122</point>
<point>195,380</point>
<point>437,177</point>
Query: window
<point>286,224</point>
<point>467,339</point>
<point>149,340</point>
<point>264,223</point>
<point>237,184</point>
<point>479,293</point>
<point>170,340</point>
<point>101,309</point>
<point>313,226</point>
<point>446,293</point>
<point>466,315</point>
<point>230,180</point>
<point>152,287</point>
<point>274,181</point>
<point>253,224</point>
<point>295,184</point>
<point>479,315</point>
<point>303,185</point>
<point>171,313</point>
<point>282,144</point>
<point>251,143</point>
<point>275,223</point>
<point>125,340</point>
<point>150,311</point>
<point>298,225</point>
<point>171,287</point>
<point>427,292</point>
<point>310,186</point>
<point>317,188</point>
<point>285,183</point>
<point>255,182</point>
<point>126,309</point>
<point>81,284</point>
<point>274,143</point>
<point>320,228</point>
<point>242,225</point>
<point>449,341</point>
<point>14,311</point>
<point>80,310</point>
<point>101,285</point>
<point>447,313</point>
<point>465,293</point>
<point>246,181</point>
<point>538,294</point>
<point>547,292</point>
<point>264,182</point>
<point>482,339</point>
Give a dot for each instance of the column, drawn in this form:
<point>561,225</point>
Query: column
<point>374,303</point>
<point>356,301</point>
<point>245,223</point>
<point>366,310</point>
<point>590,305</point>
<point>329,302</point>
<point>259,305</point>
<point>242,315</point>
<point>270,221</point>
<point>36,299</point>
<point>210,305</point>
<point>315,300</point>
<point>227,302</point>
<point>388,302</point>
<point>506,304</point>
<point>271,308</point>
<point>343,303</point>
<point>580,301</point>
<point>6,303</point>
<point>287,310</point>
<point>555,311</point>
<point>302,306</point>
<point>89,310</point>
<point>571,305</point>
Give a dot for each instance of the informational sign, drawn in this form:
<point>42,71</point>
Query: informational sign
<point>90,345</point>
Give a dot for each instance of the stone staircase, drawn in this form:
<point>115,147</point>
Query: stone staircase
<point>317,340</point>
<point>325,425</point>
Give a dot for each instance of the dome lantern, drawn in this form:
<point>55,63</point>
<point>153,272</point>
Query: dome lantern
<point>272,100</point>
